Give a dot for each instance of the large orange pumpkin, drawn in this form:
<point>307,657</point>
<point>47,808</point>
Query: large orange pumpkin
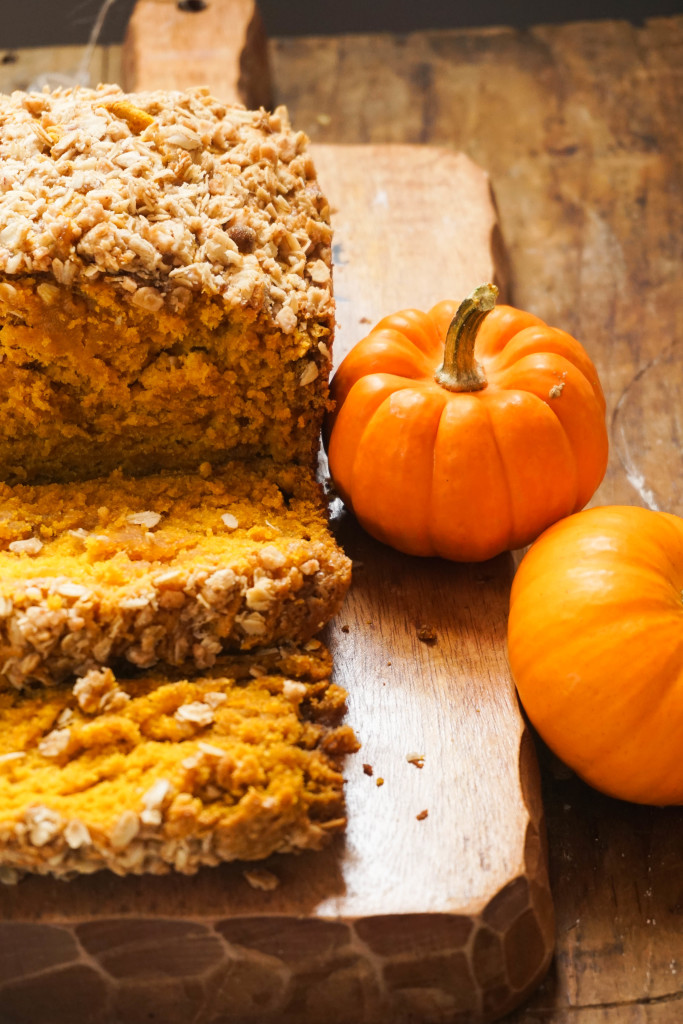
<point>595,642</point>
<point>465,431</point>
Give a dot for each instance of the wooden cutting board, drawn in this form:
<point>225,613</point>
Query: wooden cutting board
<point>443,916</point>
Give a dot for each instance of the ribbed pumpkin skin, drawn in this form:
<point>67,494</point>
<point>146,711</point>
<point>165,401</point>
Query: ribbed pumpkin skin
<point>595,642</point>
<point>465,475</point>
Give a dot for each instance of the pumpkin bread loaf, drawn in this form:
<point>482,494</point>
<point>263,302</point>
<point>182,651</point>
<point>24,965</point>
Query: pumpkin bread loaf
<point>168,567</point>
<point>165,329</point>
<point>164,772</point>
<point>165,289</point>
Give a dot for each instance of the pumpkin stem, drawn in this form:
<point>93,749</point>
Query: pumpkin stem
<point>460,371</point>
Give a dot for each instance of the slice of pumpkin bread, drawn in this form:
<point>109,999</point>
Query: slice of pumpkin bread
<point>169,567</point>
<point>162,772</point>
<point>165,288</point>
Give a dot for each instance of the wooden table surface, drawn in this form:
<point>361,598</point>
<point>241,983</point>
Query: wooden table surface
<point>579,128</point>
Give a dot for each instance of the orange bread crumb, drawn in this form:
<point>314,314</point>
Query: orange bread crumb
<point>160,772</point>
<point>169,567</point>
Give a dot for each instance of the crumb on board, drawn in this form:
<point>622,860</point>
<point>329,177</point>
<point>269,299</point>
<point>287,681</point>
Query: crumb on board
<point>8,875</point>
<point>345,629</point>
<point>380,781</point>
<point>261,878</point>
<point>556,390</point>
<point>417,759</point>
<point>368,769</point>
<point>427,634</point>
<point>422,815</point>
<point>365,320</point>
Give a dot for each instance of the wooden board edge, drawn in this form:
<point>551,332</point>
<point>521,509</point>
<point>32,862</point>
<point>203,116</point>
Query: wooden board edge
<point>222,46</point>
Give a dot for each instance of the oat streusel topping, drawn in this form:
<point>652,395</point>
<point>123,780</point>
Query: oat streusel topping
<point>168,194</point>
<point>171,584</point>
<point>237,763</point>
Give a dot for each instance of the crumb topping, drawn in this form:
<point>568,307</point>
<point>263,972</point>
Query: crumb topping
<point>261,878</point>
<point>170,583</point>
<point>148,519</point>
<point>143,788</point>
<point>166,194</point>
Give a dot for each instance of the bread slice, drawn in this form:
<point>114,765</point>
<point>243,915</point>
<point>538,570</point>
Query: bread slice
<point>165,288</point>
<point>163,772</point>
<point>170,567</point>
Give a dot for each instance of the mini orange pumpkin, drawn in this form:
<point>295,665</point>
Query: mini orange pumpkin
<point>595,642</point>
<point>465,431</point>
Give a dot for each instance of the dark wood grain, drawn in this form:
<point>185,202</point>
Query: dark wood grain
<point>579,127</point>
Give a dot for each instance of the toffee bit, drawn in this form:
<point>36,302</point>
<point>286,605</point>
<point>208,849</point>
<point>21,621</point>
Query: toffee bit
<point>427,634</point>
<point>261,878</point>
<point>243,236</point>
<point>422,815</point>
<point>368,769</point>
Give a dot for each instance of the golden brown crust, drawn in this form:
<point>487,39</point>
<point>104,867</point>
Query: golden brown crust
<point>155,773</point>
